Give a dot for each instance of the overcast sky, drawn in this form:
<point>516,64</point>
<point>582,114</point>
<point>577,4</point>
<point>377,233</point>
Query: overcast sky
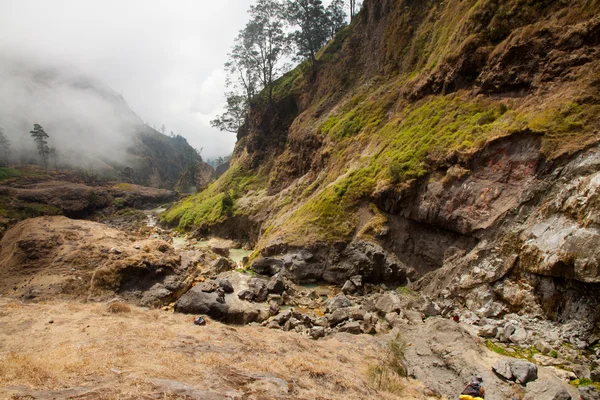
<point>164,56</point>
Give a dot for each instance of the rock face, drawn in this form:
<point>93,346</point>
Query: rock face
<point>56,256</point>
<point>335,264</point>
<point>589,393</point>
<point>548,241</point>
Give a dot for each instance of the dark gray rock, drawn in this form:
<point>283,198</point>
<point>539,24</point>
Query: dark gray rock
<point>352,327</point>
<point>357,281</point>
<point>276,298</point>
<point>317,332</point>
<point>195,301</point>
<point>430,309</point>
<point>267,265</point>
<point>338,316</point>
<point>259,288</point>
<point>357,313</point>
<point>589,393</point>
<point>282,318</point>
<point>337,302</point>
<point>274,308</point>
<point>524,371</point>
<point>506,332</point>
<point>276,284</point>
<point>222,264</point>
<point>225,285</point>
<point>155,296</point>
<point>246,295</point>
<point>349,287</point>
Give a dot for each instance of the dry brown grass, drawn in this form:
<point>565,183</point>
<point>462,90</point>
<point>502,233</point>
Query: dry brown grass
<point>88,346</point>
<point>118,307</point>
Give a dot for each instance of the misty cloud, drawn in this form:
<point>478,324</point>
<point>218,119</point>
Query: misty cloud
<point>85,119</point>
<point>165,57</point>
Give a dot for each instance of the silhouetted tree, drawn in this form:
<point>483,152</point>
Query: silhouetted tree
<point>310,16</point>
<point>163,129</point>
<point>266,41</point>
<point>40,137</point>
<point>235,113</point>
<point>255,62</point>
<point>353,7</point>
<point>337,16</point>
<point>4,148</point>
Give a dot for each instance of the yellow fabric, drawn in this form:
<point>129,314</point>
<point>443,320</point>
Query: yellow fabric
<point>468,397</point>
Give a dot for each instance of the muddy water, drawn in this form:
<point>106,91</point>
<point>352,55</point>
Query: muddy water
<point>152,215</point>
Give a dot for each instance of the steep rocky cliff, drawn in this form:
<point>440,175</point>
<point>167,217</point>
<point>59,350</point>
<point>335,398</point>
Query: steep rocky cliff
<point>451,143</point>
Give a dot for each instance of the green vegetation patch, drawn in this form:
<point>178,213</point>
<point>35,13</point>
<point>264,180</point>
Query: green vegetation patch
<point>525,353</point>
<point>18,210</point>
<point>212,205</point>
<point>358,114</point>
<point>566,127</point>
<point>290,81</point>
<point>584,382</point>
<point>9,173</point>
<point>428,130</point>
<point>434,129</point>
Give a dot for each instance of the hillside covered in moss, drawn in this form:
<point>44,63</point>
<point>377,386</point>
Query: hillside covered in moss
<point>407,90</point>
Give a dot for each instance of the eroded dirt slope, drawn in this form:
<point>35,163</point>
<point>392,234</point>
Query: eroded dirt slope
<point>50,257</point>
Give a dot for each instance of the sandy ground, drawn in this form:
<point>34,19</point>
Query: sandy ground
<point>83,351</point>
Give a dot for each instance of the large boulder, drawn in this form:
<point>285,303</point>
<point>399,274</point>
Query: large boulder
<point>266,266</point>
<point>232,310</point>
<point>519,371</point>
<point>276,284</point>
<point>388,302</point>
<point>340,301</point>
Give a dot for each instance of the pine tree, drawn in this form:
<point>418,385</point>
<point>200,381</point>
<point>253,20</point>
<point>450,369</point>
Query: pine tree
<point>40,137</point>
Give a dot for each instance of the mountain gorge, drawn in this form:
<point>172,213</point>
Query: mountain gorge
<point>414,208</point>
<point>449,144</point>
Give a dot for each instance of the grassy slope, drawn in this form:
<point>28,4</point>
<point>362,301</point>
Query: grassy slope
<point>375,138</point>
<point>13,210</point>
<point>108,354</point>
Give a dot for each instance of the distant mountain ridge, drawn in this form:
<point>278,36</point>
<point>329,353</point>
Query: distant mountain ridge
<point>90,125</point>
